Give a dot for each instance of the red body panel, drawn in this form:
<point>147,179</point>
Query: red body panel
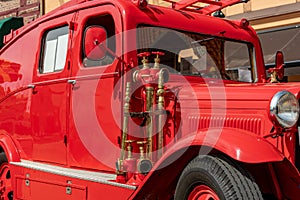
<point>32,184</point>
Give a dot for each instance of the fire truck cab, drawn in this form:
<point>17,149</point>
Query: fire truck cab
<point>119,99</point>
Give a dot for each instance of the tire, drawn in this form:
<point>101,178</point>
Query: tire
<point>6,191</point>
<point>212,178</point>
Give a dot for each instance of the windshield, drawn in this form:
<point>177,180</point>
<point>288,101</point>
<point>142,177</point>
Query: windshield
<point>194,54</point>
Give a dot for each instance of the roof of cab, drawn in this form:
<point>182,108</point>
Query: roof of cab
<point>156,15</point>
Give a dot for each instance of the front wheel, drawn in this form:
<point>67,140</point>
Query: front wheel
<point>211,178</point>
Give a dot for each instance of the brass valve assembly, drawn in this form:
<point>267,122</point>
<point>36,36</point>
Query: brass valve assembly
<point>130,169</point>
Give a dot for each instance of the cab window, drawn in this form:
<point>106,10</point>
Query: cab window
<point>106,24</point>
<point>195,54</point>
<point>237,62</point>
<point>54,52</point>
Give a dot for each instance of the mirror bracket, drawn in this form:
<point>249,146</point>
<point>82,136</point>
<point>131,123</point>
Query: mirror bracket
<point>277,73</point>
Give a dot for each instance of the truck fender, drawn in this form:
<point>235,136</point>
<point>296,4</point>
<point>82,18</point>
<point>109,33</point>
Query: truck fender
<point>238,144</point>
<point>9,147</point>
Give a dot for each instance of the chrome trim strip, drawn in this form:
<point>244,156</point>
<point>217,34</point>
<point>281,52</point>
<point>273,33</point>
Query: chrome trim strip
<point>98,177</point>
<point>96,76</point>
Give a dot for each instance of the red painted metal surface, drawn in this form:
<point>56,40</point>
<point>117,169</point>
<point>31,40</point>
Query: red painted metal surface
<point>5,182</point>
<point>229,142</point>
<point>62,132</point>
<point>8,145</point>
<point>203,192</point>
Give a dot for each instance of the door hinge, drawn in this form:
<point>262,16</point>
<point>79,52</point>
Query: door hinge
<point>73,26</point>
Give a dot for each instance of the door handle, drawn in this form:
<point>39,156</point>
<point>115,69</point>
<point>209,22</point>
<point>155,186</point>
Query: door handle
<point>73,82</point>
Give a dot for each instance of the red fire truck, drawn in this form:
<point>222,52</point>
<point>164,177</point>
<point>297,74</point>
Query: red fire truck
<point>119,99</point>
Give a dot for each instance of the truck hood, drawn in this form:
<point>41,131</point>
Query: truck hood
<point>235,95</point>
<point>233,105</point>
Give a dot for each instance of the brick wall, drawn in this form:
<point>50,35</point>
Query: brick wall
<point>28,9</point>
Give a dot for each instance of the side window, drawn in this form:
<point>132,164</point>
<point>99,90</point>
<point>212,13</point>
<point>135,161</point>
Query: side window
<point>99,41</point>
<point>54,50</point>
<point>238,61</point>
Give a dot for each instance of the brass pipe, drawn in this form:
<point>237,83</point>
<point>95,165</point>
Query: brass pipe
<point>160,107</point>
<point>149,129</point>
<point>125,120</point>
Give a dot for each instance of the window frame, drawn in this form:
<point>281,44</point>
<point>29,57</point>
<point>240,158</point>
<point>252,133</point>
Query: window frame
<point>43,49</point>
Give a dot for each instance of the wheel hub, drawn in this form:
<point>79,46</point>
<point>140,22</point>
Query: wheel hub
<point>203,192</point>
<point>5,183</point>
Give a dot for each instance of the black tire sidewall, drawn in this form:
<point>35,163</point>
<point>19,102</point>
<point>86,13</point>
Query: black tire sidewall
<point>3,158</point>
<point>226,179</point>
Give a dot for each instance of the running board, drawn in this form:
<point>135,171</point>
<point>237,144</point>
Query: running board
<point>97,177</point>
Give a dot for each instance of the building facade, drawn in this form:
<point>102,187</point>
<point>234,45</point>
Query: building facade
<point>267,14</point>
<point>52,4</point>
<point>28,9</point>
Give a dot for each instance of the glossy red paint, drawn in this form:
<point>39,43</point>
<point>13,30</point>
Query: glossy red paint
<point>62,124</point>
<point>232,144</point>
<point>32,184</point>
<point>203,192</point>
<point>9,147</point>
<point>5,181</point>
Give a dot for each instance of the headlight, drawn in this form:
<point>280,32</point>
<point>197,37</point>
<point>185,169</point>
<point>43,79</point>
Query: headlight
<point>284,109</point>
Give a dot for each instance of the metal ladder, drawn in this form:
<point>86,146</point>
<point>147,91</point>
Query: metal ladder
<point>210,7</point>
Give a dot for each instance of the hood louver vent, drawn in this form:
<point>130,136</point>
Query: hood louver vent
<point>204,122</point>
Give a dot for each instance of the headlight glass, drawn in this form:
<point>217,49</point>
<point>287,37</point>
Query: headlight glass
<point>284,109</point>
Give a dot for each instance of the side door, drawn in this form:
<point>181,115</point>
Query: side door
<point>94,126</point>
<point>50,101</point>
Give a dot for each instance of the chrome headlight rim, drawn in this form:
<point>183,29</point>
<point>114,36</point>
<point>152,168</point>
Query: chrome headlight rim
<point>276,119</point>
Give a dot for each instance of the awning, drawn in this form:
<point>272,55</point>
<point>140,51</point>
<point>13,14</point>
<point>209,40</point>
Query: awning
<point>8,24</point>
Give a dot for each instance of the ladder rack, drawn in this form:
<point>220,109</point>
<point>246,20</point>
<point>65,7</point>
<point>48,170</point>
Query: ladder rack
<point>210,6</point>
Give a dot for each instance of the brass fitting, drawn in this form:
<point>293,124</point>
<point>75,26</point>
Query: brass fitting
<point>125,121</point>
<point>157,59</point>
<point>145,61</point>
<point>129,148</point>
<point>274,77</point>
<point>141,148</point>
<point>144,165</point>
